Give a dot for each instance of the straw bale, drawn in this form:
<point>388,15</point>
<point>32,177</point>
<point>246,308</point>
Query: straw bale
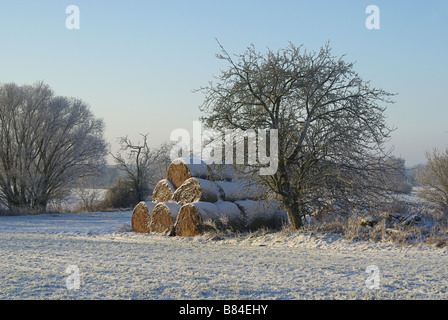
<point>163,191</point>
<point>164,215</point>
<point>141,216</point>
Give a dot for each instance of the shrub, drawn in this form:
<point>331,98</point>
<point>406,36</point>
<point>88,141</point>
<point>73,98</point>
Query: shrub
<point>120,195</point>
<point>434,180</point>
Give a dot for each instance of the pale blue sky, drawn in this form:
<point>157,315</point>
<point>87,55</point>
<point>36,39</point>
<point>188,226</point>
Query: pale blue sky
<point>137,62</point>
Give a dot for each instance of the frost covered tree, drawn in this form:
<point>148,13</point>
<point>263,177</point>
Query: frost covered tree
<point>47,143</point>
<point>331,123</point>
<point>434,179</point>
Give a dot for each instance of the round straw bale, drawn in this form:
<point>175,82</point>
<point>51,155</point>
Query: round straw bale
<point>191,217</point>
<point>183,168</point>
<point>230,216</point>
<point>197,189</point>
<point>219,172</point>
<point>189,222</point>
<point>239,190</point>
<point>164,215</point>
<point>163,191</point>
<point>141,216</point>
<point>262,214</point>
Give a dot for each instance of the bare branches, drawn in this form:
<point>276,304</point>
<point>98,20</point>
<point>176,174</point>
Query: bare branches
<point>331,127</point>
<point>142,165</point>
<point>434,180</point>
<point>47,143</point>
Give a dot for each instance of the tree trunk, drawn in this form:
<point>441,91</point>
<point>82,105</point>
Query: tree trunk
<point>294,215</point>
<point>289,199</point>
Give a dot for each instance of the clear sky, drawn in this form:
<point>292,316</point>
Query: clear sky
<point>137,62</point>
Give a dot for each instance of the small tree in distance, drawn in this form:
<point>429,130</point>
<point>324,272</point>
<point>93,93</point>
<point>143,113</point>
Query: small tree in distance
<point>141,166</point>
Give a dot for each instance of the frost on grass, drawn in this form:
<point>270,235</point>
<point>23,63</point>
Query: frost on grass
<point>116,263</point>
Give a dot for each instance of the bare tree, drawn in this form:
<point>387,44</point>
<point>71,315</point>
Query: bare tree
<point>47,143</point>
<point>88,197</point>
<point>141,164</point>
<point>434,179</point>
<point>331,126</point>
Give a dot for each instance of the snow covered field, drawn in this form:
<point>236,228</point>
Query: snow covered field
<point>116,263</point>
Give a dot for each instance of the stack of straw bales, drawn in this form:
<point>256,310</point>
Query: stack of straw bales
<point>195,192</point>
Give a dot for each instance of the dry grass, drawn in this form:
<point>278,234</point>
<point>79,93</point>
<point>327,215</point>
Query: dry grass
<point>438,235</point>
<point>401,223</point>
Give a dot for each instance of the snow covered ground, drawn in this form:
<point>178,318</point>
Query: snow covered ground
<point>116,263</point>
